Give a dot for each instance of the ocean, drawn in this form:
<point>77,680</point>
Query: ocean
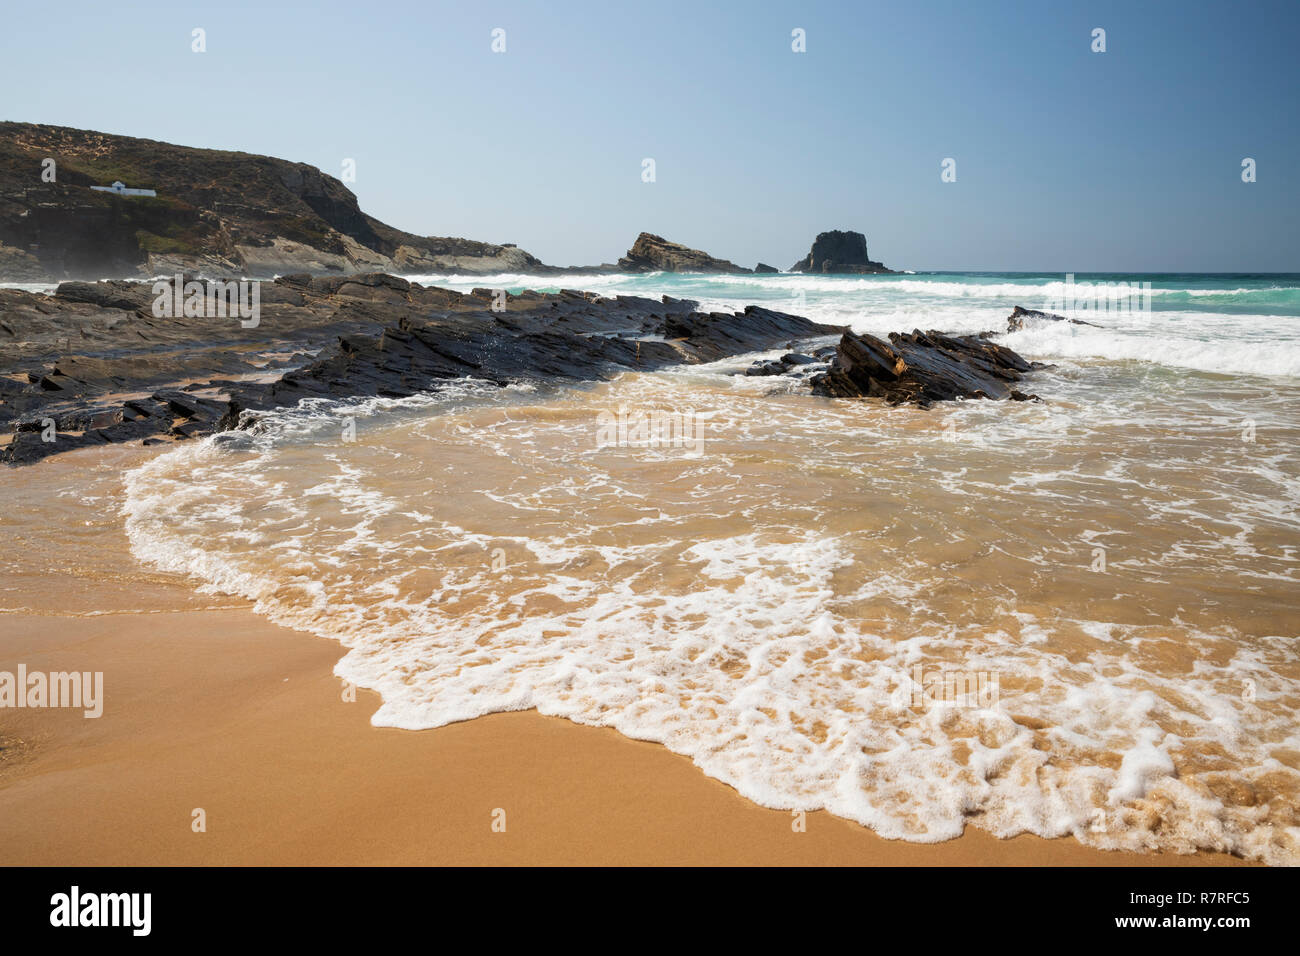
<point>1074,617</point>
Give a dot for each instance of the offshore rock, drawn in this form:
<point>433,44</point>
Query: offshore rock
<point>651,253</point>
<point>839,252</point>
<point>1021,318</point>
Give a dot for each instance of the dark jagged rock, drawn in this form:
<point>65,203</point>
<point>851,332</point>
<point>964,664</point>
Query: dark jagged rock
<point>923,368</point>
<point>764,269</point>
<point>839,252</point>
<point>793,364</point>
<point>91,364</point>
<point>652,253</point>
<point>1020,317</point>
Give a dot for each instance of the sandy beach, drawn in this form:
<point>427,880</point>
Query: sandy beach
<point>209,706</point>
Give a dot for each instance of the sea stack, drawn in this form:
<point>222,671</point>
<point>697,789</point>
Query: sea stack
<point>840,252</point>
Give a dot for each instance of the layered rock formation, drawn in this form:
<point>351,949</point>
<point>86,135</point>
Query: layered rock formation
<point>215,211</point>
<point>92,363</point>
<point>923,368</point>
<point>96,363</point>
<point>839,252</point>
<point>651,253</point>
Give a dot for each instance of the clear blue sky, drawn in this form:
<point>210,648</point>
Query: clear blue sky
<point>1066,159</point>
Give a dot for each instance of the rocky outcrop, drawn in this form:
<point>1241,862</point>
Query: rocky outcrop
<point>17,265</point>
<point>215,212</point>
<point>92,364</point>
<point>923,368</point>
<point>651,253</point>
<point>764,269</point>
<point>839,252</point>
<point>1022,318</point>
<point>798,365</point>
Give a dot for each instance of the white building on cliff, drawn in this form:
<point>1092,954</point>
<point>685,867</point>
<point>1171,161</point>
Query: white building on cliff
<point>119,189</point>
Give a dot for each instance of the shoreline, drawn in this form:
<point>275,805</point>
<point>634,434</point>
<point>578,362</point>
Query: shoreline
<point>221,710</point>
<point>208,705</point>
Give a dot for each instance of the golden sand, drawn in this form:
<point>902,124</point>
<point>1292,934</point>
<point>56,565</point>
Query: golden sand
<point>209,707</point>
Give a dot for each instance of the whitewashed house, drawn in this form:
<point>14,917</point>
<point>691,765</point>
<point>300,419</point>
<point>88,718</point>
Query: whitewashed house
<point>119,189</point>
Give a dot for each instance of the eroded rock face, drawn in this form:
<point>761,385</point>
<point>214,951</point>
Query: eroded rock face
<point>19,266</point>
<point>923,368</point>
<point>651,253</point>
<point>839,252</point>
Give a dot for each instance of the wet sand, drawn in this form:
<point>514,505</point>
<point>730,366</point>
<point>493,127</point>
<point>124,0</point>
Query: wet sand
<point>209,706</point>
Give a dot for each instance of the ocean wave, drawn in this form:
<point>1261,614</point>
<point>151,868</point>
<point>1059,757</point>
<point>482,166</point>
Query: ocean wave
<point>1203,350</point>
<point>944,287</point>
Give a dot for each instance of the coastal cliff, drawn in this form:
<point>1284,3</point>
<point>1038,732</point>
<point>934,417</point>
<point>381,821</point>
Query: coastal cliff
<point>215,211</point>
